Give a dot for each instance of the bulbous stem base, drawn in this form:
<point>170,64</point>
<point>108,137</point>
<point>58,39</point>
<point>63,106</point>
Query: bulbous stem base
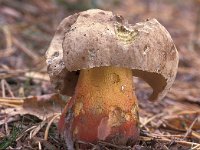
<point>104,107</point>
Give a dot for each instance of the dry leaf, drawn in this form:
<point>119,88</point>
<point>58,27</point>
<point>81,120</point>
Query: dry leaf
<point>183,121</point>
<point>41,106</point>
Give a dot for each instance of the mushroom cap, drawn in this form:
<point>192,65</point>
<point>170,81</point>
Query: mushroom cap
<point>96,38</point>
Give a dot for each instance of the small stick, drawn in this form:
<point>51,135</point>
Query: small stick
<point>6,127</point>
<point>8,88</point>
<point>168,140</point>
<point>169,136</point>
<point>29,52</point>
<point>18,101</point>
<point>196,135</point>
<point>189,130</point>
<point>113,145</point>
<point>8,37</point>
<point>39,145</point>
<point>10,105</point>
<point>150,119</point>
<point>9,50</point>
<point>3,88</point>
<point>48,126</point>
<point>197,147</point>
<point>29,129</point>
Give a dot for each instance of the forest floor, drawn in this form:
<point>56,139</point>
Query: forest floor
<point>29,106</point>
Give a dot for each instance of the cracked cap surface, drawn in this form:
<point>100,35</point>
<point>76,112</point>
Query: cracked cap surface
<point>96,38</point>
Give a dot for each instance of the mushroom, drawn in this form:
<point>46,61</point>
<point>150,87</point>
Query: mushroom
<point>92,58</point>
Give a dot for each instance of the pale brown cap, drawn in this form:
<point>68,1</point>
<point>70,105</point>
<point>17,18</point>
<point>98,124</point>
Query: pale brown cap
<point>96,38</point>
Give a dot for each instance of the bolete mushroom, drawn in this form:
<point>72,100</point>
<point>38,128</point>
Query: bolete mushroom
<point>92,58</point>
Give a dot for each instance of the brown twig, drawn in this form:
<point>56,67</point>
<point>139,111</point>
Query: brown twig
<point>16,101</point>
<point>27,51</point>
<point>8,88</point>
<point>9,50</point>
<point>151,119</point>
<point>48,126</point>
<point>11,75</point>
<point>30,73</point>
<point>113,145</point>
<point>189,130</point>
<point>186,143</point>
<point>3,88</point>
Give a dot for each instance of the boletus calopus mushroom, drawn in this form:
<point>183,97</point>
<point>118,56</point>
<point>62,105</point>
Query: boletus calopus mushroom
<point>92,58</point>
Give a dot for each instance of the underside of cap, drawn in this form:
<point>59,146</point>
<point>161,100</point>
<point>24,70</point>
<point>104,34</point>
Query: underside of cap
<point>61,78</point>
<point>96,38</point>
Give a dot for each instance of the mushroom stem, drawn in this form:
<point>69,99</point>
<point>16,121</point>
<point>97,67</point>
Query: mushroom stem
<point>105,106</point>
